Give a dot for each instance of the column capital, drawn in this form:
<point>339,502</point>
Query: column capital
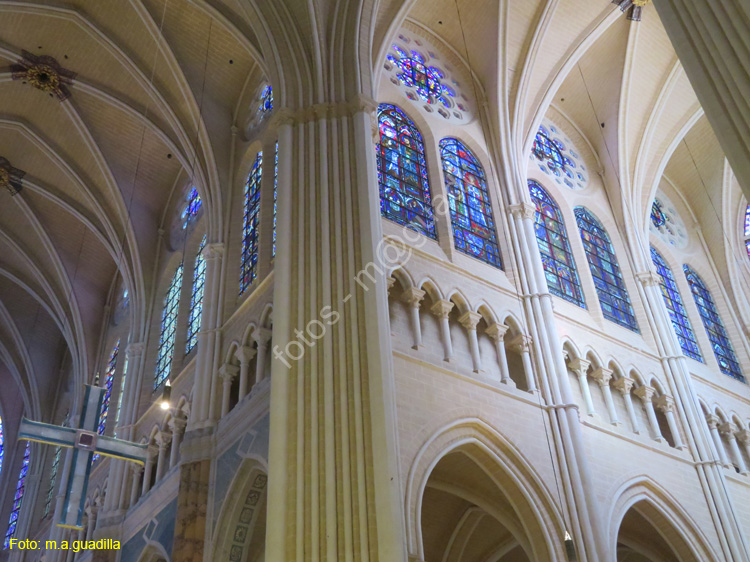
<point>728,429</point>
<point>245,354</point>
<point>262,336</point>
<point>521,343</point>
<point>390,282</point>
<point>523,210</point>
<point>152,451</point>
<point>602,375</point>
<point>134,349</point>
<point>743,436</point>
<point>469,320</point>
<point>412,296</point>
<point>163,438</point>
<point>229,371</point>
<point>579,366</point>
<point>665,403</point>
<point>442,308</point>
<point>713,421</point>
<point>497,331</point>
<point>178,422</point>
<point>213,251</point>
<point>645,393</point>
<point>648,278</point>
<point>624,385</point>
<point>135,468</point>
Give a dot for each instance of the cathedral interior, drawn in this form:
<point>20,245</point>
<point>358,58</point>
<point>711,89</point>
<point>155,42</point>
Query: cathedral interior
<point>375,280</point>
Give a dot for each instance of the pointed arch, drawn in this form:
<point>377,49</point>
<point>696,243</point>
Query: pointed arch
<point>405,196</point>
<point>677,313</point>
<point>473,223</point>
<point>720,343</point>
<point>552,237</point>
<point>605,269</point>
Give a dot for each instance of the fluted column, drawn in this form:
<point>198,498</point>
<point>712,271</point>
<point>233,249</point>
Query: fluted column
<point>666,405</point>
<point>624,385</point>
<point>713,425</point>
<point>261,336</point>
<point>413,298</point>
<point>646,394</point>
<point>602,376</point>
<point>581,367</point>
<point>244,355</point>
<point>227,373</point>
<point>177,425</point>
<point>469,321</point>
<point>521,344</point>
<point>497,333</point>
<point>441,310</point>
<point>728,430</point>
<point>164,438</point>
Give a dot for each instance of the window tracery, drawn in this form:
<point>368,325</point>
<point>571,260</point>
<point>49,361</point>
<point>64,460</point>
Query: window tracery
<point>717,335</point>
<point>552,238</point>
<point>196,298</point>
<point>666,222</point>
<point>251,225</point>
<point>109,379</point>
<point>677,313</point>
<point>405,196</point>
<point>265,103</point>
<point>192,207</point>
<point>610,286</point>
<point>555,155</point>
<point>470,207</point>
<point>170,309</point>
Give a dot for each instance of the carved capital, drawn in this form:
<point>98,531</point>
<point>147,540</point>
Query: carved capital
<point>262,336</point>
<point>602,376</point>
<point>245,354</point>
<point>744,436</point>
<point>624,385</point>
<point>497,331</point>
<point>579,366</point>
<point>648,278</point>
<point>442,308</point>
<point>728,429</point>
<point>645,393</point>
<point>135,349</point>
<point>469,320</point>
<point>390,281</point>
<point>521,343</point>
<point>163,438</point>
<point>713,421</point>
<point>413,296</point>
<point>229,371</point>
<point>178,422</point>
<point>213,251</point>
<point>523,210</point>
<point>665,403</point>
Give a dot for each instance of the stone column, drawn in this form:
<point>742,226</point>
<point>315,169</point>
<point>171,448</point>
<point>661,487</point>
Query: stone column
<point>602,376</point>
<point>713,425</point>
<point>581,367</point>
<point>413,297</point>
<point>497,333</point>
<point>146,485</point>
<point>521,344</point>
<point>261,336</point>
<point>91,512</point>
<point>244,355</point>
<point>624,385</point>
<point>163,439</point>
<point>442,309</point>
<point>192,501</point>
<point>177,425</point>
<point>646,394</point>
<point>666,404</point>
<point>227,373</point>
<point>136,484</point>
<point>728,430</point>
<point>744,438</point>
<point>469,321</point>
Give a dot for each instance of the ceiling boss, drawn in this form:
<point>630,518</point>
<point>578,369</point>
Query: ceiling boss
<point>45,74</point>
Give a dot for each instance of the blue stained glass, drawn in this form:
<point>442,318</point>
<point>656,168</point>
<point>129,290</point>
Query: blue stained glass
<point>747,221</point>
<point>18,497</point>
<point>275,195</point>
<point>747,245</point>
<point>196,299</point>
<point>171,307</point>
<point>549,151</point>
<point>251,225</point>
<point>266,100</point>
<point>613,296</point>
<point>109,379</point>
<point>714,326</point>
<point>658,217</point>
<point>471,210</point>
<point>677,313</point>
<point>426,80</point>
<point>552,238</point>
<point>402,172</point>
<point>192,207</point>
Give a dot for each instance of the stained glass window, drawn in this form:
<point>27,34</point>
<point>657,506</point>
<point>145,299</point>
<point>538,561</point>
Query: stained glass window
<point>275,195</point>
<point>251,226</point>
<point>553,153</point>
<point>122,392</point>
<point>471,211</point>
<point>658,218</point>
<point>714,326</point>
<point>109,379</point>
<point>747,221</point>
<point>168,329</point>
<point>266,100</point>
<point>2,446</point>
<point>677,313</point>
<point>53,476</point>
<point>196,299</point>
<point>416,74</point>
<point>557,259</point>
<point>402,172</point>
<point>192,207</point>
<point>613,296</point>
<point>18,497</point>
